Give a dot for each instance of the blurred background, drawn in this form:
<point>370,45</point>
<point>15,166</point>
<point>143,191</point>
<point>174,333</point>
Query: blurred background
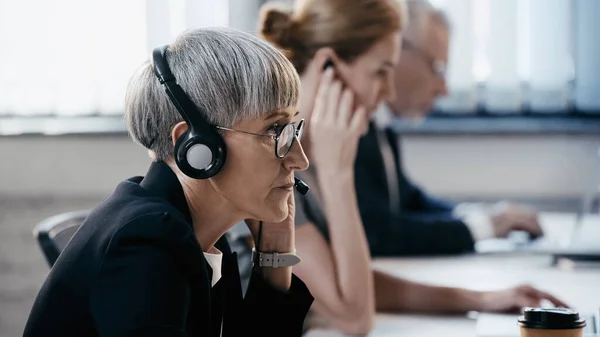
<point>521,122</point>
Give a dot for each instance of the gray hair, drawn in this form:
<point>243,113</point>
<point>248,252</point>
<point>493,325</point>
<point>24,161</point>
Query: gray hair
<point>419,14</point>
<point>232,75</point>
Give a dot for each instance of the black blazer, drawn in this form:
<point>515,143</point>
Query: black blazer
<point>425,226</point>
<point>135,268</point>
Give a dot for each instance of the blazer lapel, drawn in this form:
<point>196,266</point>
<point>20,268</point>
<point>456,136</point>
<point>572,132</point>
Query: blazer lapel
<point>230,271</point>
<point>199,320</point>
<point>231,289</point>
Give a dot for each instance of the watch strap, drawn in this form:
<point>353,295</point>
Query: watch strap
<point>274,259</point>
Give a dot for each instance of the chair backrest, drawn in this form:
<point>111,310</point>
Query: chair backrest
<point>55,232</point>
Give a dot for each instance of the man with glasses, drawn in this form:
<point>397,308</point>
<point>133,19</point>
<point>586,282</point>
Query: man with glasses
<point>399,218</point>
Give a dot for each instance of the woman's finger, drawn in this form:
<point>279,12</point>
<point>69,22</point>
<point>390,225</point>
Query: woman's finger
<point>333,101</point>
<point>359,119</point>
<point>546,296</point>
<point>291,205</point>
<point>321,96</point>
<point>345,107</point>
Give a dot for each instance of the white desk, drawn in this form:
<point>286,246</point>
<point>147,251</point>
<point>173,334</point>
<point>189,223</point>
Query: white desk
<point>578,287</point>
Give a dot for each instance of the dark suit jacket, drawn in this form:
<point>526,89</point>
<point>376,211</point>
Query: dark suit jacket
<point>135,268</point>
<point>425,226</point>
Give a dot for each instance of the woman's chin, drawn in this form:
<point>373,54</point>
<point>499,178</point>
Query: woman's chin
<point>270,210</point>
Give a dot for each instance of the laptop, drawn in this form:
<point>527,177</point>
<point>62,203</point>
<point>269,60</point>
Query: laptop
<point>501,325</point>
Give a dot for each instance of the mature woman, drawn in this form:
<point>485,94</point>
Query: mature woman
<point>150,260</point>
<point>358,43</point>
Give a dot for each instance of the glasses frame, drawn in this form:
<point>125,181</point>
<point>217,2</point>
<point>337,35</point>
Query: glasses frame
<point>297,134</point>
<point>438,68</point>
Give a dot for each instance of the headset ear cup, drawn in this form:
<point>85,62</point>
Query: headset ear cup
<point>180,155</point>
<point>198,157</point>
<point>219,151</point>
<point>200,152</point>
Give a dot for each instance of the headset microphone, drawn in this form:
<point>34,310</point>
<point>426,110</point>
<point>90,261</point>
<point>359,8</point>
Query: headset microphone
<point>301,186</point>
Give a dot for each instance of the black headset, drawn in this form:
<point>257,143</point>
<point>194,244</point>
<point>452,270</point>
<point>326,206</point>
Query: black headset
<point>200,152</point>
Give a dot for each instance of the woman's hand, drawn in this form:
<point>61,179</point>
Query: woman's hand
<point>335,125</point>
<point>515,299</point>
<point>276,237</point>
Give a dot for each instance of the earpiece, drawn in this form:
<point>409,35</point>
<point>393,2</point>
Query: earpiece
<point>301,186</point>
<point>328,64</point>
<point>200,152</point>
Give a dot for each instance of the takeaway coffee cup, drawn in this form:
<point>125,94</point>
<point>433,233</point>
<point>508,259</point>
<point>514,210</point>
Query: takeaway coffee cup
<point>551,322</point>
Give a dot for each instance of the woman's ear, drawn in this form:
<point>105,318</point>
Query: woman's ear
<point>325,56</point>
<point>177,131</point>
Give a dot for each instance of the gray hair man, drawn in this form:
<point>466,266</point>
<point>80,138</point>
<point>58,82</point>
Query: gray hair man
<point>400,218</point>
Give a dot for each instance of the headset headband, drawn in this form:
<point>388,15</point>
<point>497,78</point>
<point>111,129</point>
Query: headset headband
<point>191,113</point>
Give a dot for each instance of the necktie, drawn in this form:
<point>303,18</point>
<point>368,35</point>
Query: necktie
<point>389,163</point>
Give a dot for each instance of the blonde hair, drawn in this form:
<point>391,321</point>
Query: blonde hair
<point>349,27</point>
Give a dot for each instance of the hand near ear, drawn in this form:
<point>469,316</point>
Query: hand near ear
<point>335,125</point>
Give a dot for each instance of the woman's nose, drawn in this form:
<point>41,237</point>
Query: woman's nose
<point>296,159</point>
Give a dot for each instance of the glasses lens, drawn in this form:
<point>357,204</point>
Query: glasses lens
<point>439,68</point>
<point>286,138</point>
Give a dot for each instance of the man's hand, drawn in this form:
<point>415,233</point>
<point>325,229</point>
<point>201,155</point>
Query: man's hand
<point>515,299</point>
<point>507,217</point>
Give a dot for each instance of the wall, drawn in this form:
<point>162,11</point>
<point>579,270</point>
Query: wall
<point>515,166</point>
<point>455,166</point>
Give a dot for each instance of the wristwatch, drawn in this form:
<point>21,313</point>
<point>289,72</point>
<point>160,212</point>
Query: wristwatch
<point>274,259</point>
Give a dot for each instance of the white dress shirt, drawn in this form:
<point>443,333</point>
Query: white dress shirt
<point>475,216</point>
<point>214,258</point>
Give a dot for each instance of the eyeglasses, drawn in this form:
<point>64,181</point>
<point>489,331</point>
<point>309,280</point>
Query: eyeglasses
<point>284,138</point>
<point>438,68</point>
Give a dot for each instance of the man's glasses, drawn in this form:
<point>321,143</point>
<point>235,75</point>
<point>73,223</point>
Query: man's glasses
<point>438,68</point>
<point>284,139</point>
